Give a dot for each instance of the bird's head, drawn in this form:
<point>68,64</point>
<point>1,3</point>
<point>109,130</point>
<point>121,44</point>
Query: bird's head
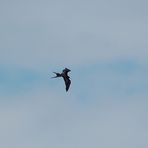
<point>67,70</point>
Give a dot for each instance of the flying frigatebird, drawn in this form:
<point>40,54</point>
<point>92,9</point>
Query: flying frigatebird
<point>65,76</point>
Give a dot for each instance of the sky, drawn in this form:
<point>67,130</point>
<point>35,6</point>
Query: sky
<point>104,43</point>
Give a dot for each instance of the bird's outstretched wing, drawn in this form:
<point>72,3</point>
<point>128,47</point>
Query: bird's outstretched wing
<point>67,82</point>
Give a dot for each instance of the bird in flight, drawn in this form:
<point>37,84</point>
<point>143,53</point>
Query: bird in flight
<point>65,76</point>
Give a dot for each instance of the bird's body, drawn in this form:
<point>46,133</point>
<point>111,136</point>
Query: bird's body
<point>65,76</point>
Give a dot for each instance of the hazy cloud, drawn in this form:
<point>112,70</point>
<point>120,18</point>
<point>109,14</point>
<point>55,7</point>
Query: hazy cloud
<point>48,120</point>
<point>42,32</point>
<point>105,45</point>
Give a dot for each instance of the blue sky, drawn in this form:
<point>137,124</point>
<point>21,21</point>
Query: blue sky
<point>104,43</point>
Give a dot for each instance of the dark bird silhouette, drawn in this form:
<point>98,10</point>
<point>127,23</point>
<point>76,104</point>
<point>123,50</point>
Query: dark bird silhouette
<point>65,76</point>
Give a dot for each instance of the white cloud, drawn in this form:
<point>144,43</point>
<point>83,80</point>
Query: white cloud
<point>42,34</point>
<point>46,119</point>
<point>54,33</point>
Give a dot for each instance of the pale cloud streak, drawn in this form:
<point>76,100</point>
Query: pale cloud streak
<point>104,43</point>
<point>45,119</point>
<point>52,33</point>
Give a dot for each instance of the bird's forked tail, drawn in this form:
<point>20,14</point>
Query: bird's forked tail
<point>57,75</point>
